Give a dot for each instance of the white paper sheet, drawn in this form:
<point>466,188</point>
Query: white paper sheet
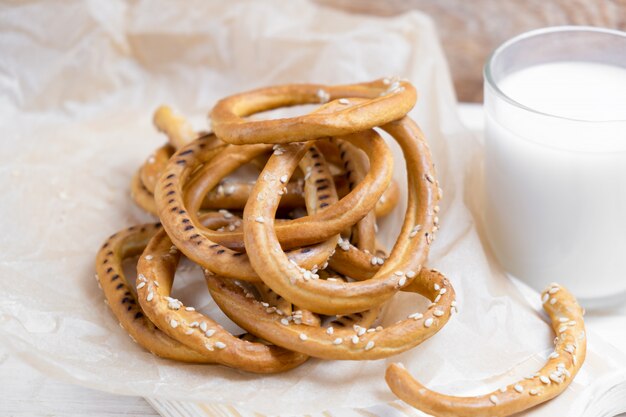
<point>78,84</point>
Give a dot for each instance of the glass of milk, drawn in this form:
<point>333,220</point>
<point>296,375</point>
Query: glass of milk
<point>555,160</point>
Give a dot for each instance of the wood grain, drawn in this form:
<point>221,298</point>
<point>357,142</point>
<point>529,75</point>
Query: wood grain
<point>470,30</point>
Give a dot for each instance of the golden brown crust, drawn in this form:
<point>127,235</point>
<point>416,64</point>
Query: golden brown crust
<point>382,101</point>
<point>404,263</point>
<point>357,340</point>
<point>560,369</point>
<point>156,269</point>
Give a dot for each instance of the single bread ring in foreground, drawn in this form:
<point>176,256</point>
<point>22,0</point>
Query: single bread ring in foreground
<point>404,263</point>
<point>123,302</point>
<point>156,269</point>
<point>562,366</point>
<point>344,343</point>
<point>385,101</point>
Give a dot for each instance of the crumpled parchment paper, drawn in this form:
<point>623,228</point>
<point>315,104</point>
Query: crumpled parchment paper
<point>79,82</point>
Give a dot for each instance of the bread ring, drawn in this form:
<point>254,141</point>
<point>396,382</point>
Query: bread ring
<point>561,368</point>
<point>385,101</point>
<point>191,238</point>
<point>404,263</point>
<point>156,269</point>
<point>123,302</point>
<point>355,343</point>
<point>308,230</point>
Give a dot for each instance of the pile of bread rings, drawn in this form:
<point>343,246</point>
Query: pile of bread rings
<point>292,257</point>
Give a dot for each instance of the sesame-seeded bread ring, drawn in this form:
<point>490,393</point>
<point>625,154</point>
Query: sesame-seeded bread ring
<point>382,101</point>
<point>179,188</point>
<point>335,342</point>
<point>156,269</point>
<point>190,237</point>
<point>402,266</point>
<point>559,371</point>
<point>122,300</point>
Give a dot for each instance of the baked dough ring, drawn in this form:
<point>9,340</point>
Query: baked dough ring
<point>355,343</point>
<point>404,263</point>
<point>386,100</point>
<point>156,269</point>
<point>123,302</point>
<point>189,235</point>
<point>562,366</point>
<point>308,230</point>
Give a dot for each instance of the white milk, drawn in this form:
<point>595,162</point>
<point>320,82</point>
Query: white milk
<point>556,188</point>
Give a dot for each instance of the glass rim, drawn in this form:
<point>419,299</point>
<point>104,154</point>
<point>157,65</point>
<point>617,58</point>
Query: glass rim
<point>488,76</point>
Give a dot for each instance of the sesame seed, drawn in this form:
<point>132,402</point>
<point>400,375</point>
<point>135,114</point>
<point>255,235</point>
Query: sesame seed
<point>141,277</point>
<point>438,313</point>
<point>380,261</point>
<point>188,331</point>
<point>554,290</point>
<point>545,298</point>
<point>493,399</point>
<point>361,331</point>
<point>563,319</point>
<point>284,179</point>
<point>410,274</point>
<point>209,346</point>
<point>402,282</point>
<point>210,332</point>
<point>203,326</point>
<point>141,285</point>
<point>330,330</point>
<point>429,178</point>
<point>370,345</point>
<point>437,287</point>
<point>190,309</point>
<point>562,329</point>
<point>399,273</point>
<point>437,298</point>
<point>555,378</point>
<point>338,341</point>
<point>416,316</point>
<point>443,291</point>
<point>150,296</point>
<point>220,345</point>
<point>194,324</point>
<point>553,355</point>
<point>533,392</point>
<point>544,379</point>
<point>374,260</point>
<point>518,388</point>
<point>303,337</point>
<point>149,257</point>
<point>355,339</point>
<point>260,219</point>
<point>173,324</point>
<point>344,101</point>
<point>553,301</point>
<point>428,322</point>
<point>227,214</point>
<point>284,322</point>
